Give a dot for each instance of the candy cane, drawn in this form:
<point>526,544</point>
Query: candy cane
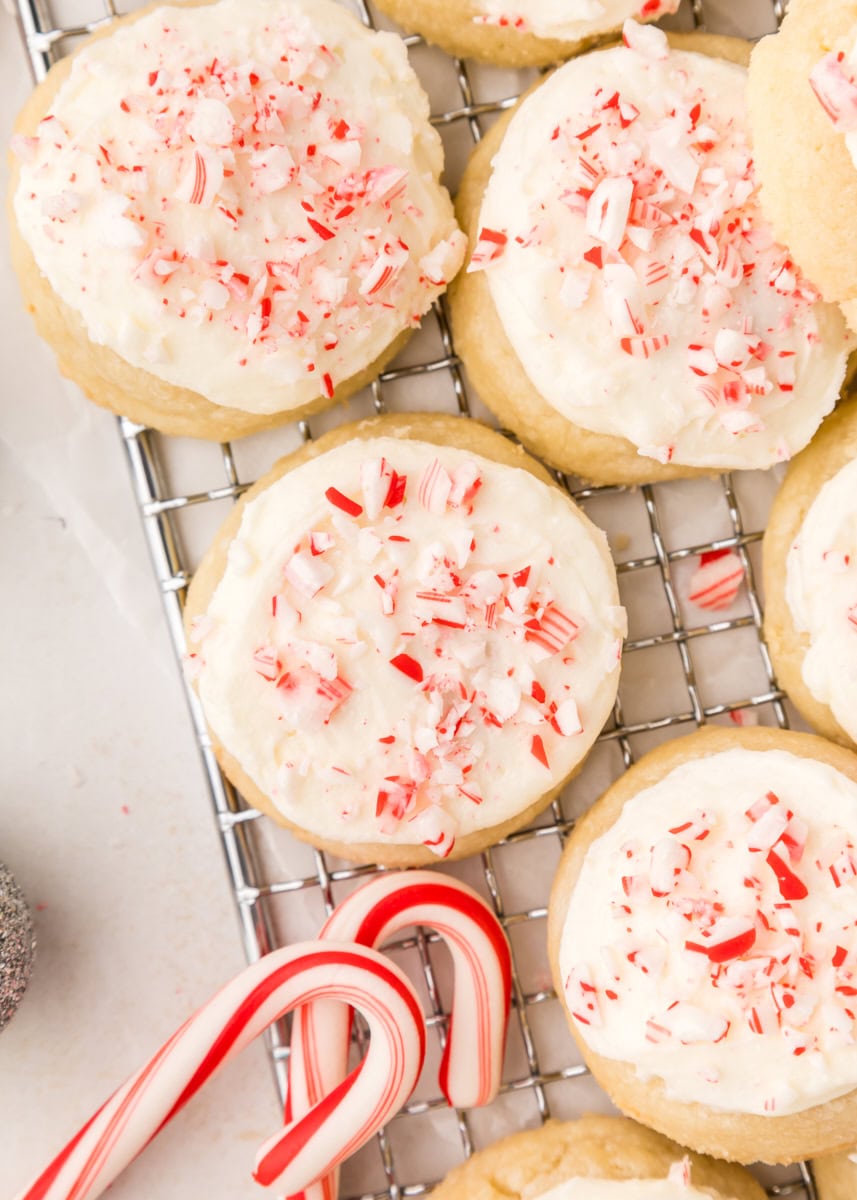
<point>321,1137</point>
<point>473,1058</point>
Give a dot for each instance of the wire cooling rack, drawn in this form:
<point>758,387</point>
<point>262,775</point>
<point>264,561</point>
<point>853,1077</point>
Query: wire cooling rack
<point>680,671</point>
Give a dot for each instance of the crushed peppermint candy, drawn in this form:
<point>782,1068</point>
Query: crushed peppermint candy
<point>631,222</point>
<point>680,1172</point>
<point>732,922</point>
<point>834,81</point>
<point>715,583</point>
<point>273,194</point>
<point>453,596</point>
<point>415,633</point>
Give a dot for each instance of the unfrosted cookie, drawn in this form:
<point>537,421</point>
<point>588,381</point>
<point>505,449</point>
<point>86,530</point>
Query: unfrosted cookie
<point>405,639</point>
<point>836,1176</point>
<point>229,215</point>
<point>594,1158</point>
<point>518,33</point>
<point>626,310</point>
<point>803,112</point>
<point>702,938</point>
<point>810,572</point>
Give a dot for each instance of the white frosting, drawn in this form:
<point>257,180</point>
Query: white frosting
<point>821,593</point>
<point>711,937</point>
<point>506,681</point>
<point>625,1189</point>
<point>242,198</point>
<point>569,19</point>
<point>696,338</point>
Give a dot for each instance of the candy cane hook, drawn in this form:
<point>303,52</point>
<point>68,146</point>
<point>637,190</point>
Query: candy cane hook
<point>473,1058</point>
<point>320,1137</point>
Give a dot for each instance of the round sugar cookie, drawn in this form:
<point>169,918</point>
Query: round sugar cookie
<point>229,215</point>
<point>594,1158</point>
<point>701,934</point>
<point>405,639</point>
<point>809,557</point>
<point>625,309</point>
<point>803,113</point>
<point>836,1176</point>
<point>518,33</point>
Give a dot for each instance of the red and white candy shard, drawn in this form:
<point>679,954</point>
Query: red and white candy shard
<point>821,593</point>
<point>834,81</point>
<point>717,580</point>
<point>632,269</point>
<point>473,1057</point>
<point>411,628</point>
<point>308,1147</point>
<point>264,180</point>
<point>571,22</point>
<point>711,939</point>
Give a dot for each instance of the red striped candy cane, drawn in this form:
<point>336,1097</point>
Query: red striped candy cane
<point>322,1136</point>
<point>473,1058</point>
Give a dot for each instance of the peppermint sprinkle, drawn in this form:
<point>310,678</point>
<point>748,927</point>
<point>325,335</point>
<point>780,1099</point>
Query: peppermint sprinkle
<point>408,666</point>
<point>834,82</point>
<point>336,498</point>
<point>716,581</point>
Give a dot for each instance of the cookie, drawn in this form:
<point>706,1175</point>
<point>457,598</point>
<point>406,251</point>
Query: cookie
<point>405,639</point>
<point>594,1158</point>
<point>228,215</point>
<point>835,1176</point>
<point>625,309</point>
<point>518,33</point>
<point>806,146</point>
<point>809,557</point>
<point>702,938</point>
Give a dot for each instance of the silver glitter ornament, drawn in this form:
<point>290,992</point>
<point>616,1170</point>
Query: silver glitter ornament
<point>17,944</point>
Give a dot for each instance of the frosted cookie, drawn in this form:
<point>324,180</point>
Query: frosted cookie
<point>703,942</point>
<point>229,215</point>
<point>810,572</point>
<point>806,145</point>
<point>626,310</point>
<point>836,1176</point>
<point>594,1158</point>
<point>519,33</point>
<point>405,639</point>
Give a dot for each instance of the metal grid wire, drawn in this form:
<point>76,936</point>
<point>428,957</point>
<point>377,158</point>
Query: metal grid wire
<point>260,892</point>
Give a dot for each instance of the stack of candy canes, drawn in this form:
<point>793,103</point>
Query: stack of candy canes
<point>330,1113</point>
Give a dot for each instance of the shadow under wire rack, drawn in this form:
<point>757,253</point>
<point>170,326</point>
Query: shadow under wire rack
<point>681,669</point>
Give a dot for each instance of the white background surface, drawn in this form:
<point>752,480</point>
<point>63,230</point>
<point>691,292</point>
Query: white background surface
<point>104,817</point>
